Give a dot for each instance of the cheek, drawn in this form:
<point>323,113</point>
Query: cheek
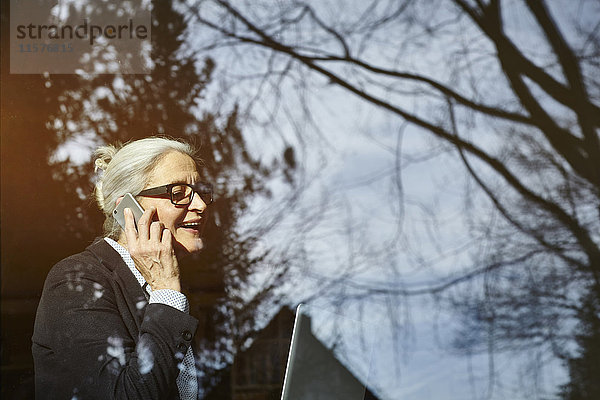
<point>144,202</point>
<point>164,213</point>
<point>171,218</point>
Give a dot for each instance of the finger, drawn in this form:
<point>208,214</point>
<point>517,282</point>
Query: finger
<point>144,223</point>
<point>166,240</point>
<point>130,231</point>
<point>156,229</point>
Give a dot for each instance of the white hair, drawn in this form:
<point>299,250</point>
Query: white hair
<point>127,169</point>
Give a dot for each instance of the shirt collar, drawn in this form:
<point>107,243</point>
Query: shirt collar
<point>129,262</point>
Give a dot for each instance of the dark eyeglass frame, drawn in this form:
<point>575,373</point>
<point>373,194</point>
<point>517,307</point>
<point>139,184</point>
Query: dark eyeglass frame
<point>202,188</point>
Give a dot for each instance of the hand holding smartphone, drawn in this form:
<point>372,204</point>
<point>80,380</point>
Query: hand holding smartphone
<point>150,246</point>
<point>128,202</point>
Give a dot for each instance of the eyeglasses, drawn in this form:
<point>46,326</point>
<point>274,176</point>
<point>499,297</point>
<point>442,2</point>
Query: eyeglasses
<point>182,194</point>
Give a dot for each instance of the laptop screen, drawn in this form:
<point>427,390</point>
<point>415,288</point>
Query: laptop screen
<point>324,362</point>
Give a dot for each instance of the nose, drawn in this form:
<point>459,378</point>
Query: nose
<point>197,203</point>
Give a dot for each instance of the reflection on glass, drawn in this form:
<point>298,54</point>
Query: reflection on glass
<point>316,371</point>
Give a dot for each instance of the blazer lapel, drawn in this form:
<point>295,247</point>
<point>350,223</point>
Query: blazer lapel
<point>131,293</point>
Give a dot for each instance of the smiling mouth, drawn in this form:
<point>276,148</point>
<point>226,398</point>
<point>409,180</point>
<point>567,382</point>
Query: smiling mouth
<point>191,225</point>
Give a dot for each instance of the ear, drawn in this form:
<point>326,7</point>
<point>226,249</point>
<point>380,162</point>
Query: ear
<point>118,201</point>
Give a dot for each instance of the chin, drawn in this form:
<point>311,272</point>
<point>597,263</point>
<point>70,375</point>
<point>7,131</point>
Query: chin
<point>193,246</point>
<point>187,242</point>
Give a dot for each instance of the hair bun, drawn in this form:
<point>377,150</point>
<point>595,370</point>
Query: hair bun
<point>104,155</point>
<point>100,164</point>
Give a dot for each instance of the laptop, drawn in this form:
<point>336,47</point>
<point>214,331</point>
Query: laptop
<point>316,371</point>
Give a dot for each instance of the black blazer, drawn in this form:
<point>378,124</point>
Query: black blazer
<point>96,337</point>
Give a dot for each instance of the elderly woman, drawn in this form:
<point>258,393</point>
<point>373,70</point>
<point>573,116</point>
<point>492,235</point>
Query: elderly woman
<point>112,322</point>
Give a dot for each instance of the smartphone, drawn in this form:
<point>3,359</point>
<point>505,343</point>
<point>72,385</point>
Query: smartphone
<point>128,202</point>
